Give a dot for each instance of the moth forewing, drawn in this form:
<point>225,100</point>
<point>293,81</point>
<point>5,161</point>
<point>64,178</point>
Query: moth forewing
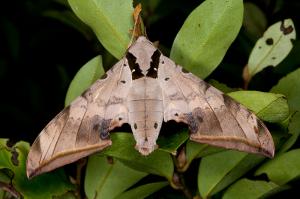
<point>144,89</point>
<point>213,117</point>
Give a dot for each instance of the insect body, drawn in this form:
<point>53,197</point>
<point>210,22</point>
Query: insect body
<point>144,89</point>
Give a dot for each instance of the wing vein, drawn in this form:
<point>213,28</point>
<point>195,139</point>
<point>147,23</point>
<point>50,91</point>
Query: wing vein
<point>81,122</point>
<point>57,139</point>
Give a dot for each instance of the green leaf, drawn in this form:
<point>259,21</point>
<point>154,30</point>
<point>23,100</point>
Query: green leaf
<point>197,150</point>
<point>107,180</point>
<point>255,20</point>
<point>123,149</point>
<point>290,87</point>
<point>267,106</point>
<point>170,144</point>
<point>283,168</point>
<point>87,75</point>
<point>221,86</point>
<point>2,193</point>
<point>219,170</point>
<point>294,129</point>
<point>44,186</point>
<point>205,36</point>
<point>111,20</point>
<point>68,195</point>
<point>249,189</point>
<point>273,47</point>
<point>142,191</point>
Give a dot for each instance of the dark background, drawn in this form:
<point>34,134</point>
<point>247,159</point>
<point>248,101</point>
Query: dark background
<point>40,53</point>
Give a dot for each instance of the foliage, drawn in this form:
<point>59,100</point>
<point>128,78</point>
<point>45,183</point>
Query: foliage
<point>179,164</point>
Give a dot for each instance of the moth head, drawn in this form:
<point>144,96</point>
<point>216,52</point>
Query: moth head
<point>142,51</point>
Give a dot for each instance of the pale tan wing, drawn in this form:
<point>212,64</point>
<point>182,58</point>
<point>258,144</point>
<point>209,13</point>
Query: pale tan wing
<point>82,128</point>
<point>213,117</point>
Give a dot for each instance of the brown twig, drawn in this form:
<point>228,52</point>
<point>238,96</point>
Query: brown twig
<point>178,181</point>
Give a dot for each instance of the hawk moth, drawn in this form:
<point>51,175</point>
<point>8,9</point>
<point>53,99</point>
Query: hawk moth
<point>144,89</point>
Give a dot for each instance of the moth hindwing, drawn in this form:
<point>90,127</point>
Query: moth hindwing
<point>144,89</point>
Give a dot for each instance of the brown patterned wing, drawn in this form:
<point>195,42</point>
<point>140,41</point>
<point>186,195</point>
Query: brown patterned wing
<point>83,127</point>
<point>213,117</point>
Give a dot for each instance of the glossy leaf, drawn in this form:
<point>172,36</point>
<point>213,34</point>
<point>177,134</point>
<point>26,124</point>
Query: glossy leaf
<point>44,186</point>
<point>283,168</point>
<point>290,87</point>
<point>170,144</point>
<point>87,75</point>
<point>111,20</point>
<point>273,47</point>
<point>267,106</point>
<point>107,180</point>
<point>142,191</point>
<point>123,149</point>
<point>219,170</point>
<point>201,44</point>
<point>249,189</point>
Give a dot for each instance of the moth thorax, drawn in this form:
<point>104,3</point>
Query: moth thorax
<point>143,52</point>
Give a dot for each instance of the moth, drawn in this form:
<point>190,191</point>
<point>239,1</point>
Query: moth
<point>144,89</point>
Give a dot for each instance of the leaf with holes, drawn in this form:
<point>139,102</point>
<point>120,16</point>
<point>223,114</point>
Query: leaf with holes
<point>44,186</point>
<point>272,48</point>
